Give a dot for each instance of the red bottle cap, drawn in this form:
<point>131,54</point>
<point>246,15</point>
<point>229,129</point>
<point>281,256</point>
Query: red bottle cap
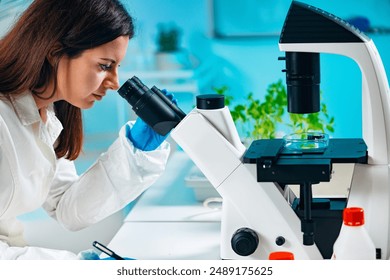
<point>281,255</point>
<point>353,216</point>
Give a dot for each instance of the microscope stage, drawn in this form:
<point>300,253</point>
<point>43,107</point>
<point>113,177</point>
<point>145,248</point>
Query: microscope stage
<point>275,163</point>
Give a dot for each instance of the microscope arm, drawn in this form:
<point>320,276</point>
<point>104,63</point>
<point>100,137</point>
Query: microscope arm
<point>216,157</point>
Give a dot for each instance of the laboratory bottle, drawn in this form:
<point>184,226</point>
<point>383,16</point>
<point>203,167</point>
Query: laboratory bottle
<point>353,242</point>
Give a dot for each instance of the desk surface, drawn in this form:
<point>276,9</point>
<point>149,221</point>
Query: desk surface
<point>168,223</point>
<point>168,240</point>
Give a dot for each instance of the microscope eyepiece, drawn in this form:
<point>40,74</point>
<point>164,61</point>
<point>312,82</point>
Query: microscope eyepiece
<point>132,90</point>
<point>151,105</point>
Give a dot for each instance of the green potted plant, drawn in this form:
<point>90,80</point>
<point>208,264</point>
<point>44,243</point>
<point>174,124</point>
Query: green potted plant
<point>168,38</point>
<point>169,54</point>
<point>256,119</point>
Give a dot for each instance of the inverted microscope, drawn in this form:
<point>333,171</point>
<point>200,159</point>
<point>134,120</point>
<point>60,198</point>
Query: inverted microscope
<point>256,218</point>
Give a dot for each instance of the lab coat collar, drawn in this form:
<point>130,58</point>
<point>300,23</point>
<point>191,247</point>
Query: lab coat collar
<point>28,113</point>
<point>26,108</point>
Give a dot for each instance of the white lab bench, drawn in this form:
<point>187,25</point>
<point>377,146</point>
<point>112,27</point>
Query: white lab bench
<point>167,222</point>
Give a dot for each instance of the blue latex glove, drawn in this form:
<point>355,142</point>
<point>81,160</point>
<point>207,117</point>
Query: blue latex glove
<point>112,259</point>
<point>88,255</point>
<point>91,255</point>
<point>170,96</point>
<point>143,136</point>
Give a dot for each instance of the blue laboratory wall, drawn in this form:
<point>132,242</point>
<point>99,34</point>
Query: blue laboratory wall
<point>246,64</point>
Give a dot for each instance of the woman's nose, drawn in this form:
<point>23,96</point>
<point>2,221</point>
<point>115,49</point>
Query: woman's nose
<point>112,81</point>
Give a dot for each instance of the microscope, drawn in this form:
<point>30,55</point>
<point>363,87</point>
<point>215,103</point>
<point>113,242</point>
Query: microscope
<point>256,218</point>
<point>309,31</point>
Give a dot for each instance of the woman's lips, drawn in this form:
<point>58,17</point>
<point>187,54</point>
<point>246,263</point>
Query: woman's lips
<point>99,96</point>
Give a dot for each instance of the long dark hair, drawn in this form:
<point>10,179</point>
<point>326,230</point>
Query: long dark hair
<point>54,28</point>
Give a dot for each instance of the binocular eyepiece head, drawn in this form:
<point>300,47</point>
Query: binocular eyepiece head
<point>151,105</point>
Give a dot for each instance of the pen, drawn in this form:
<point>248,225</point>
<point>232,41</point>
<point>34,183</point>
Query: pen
<point>107,251</point>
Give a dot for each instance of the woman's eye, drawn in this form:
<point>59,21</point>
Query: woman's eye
<point>105,67</point>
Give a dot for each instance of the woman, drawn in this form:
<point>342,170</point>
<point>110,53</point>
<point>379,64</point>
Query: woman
<point>61,56</point>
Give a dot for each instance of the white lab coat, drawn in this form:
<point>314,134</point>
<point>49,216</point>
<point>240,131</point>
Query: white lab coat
<point>31,176</point>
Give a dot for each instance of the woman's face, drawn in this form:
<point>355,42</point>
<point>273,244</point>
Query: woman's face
<point>86,78</point>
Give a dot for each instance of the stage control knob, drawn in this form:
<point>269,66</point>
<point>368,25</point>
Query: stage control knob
<point>244,241</point>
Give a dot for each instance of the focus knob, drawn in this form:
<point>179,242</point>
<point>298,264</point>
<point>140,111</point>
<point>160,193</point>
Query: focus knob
<point>244,241</point>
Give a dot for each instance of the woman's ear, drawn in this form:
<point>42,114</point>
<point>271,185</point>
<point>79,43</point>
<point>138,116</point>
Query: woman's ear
<point>54,54</point>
